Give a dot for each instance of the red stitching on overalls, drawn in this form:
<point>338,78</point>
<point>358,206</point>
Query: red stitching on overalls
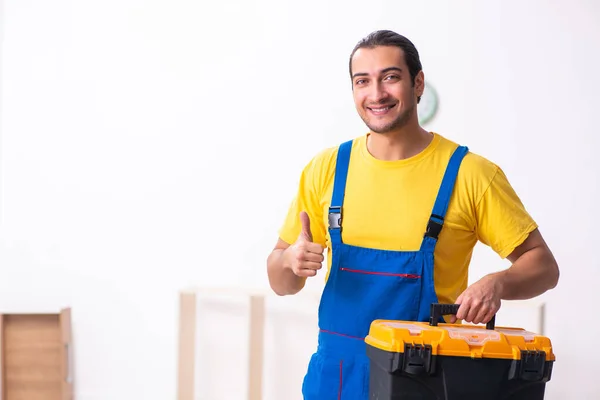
<point>341,334</point>
<point>358,271</point>
<point>340,392</point>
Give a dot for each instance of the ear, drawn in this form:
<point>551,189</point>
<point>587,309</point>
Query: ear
<point>419,84</point>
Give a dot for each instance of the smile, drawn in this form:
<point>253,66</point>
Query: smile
<point>381,110</point>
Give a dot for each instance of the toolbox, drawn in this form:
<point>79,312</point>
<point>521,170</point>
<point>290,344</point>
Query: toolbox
<point>440,361</point>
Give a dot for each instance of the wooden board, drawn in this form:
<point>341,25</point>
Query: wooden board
<point>35,356</point>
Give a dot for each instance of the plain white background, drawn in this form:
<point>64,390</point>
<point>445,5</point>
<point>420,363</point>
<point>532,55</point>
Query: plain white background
<point>147,146</point>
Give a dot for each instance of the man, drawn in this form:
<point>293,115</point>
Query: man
<point>400,210</point>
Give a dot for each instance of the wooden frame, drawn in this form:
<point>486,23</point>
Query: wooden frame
<point>187,340</point>
<point>36,356</point>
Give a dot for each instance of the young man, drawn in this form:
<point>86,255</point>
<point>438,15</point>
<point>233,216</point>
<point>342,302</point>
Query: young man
<point>400,210</point>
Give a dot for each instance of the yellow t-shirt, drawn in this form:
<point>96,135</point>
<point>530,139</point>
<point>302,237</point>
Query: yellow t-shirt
<point>388,203</point>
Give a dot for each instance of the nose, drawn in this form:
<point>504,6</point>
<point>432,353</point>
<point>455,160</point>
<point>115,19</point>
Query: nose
<point>378,93</point>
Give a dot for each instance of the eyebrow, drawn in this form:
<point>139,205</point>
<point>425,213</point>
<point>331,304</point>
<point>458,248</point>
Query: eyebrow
<point>383,71</point>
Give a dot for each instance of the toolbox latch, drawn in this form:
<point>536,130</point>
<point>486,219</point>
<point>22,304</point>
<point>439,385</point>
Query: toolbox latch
<point>418,359</point>
<point>530,367</point>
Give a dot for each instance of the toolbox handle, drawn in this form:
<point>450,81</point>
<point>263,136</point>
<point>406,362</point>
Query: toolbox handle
<point>438,309</point>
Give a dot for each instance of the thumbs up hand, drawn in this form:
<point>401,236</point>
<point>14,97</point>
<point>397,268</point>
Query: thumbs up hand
<point>304,257</point>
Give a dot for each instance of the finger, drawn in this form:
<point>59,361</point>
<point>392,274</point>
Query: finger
<point>493,310</point>
<point>305,232</point>
<point>304,253</point>
<point>311,265</point>
<point>458,314</point>
<point>314,257</point>
<point>463,309</point>
<point>483,311</point>
<point>314,248</point>
<point>310,270</point>
<point>474,308</point>
<point>306,273</point>
<point>488,317</point>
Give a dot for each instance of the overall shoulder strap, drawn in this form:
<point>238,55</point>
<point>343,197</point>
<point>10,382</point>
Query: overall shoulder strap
<point>436,220</point>
<point>339,190</point>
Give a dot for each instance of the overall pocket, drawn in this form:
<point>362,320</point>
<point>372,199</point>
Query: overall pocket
<point>373,284</point>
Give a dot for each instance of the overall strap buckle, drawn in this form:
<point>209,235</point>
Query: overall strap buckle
<point>335,217</point>
<point>434,227</point>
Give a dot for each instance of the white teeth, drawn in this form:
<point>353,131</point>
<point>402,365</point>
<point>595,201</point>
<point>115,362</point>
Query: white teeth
<point>380,109</point>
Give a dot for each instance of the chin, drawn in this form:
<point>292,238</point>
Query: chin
<point>379,130</point>
<point>384,128</point>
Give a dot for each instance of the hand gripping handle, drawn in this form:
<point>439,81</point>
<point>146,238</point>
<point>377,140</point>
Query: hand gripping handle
<point>437,310</point>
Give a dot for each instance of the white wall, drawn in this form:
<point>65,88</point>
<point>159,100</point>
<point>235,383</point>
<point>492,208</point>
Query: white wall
<point>148,146</point>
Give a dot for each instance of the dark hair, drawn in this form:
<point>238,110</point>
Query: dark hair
<point>391,38</point>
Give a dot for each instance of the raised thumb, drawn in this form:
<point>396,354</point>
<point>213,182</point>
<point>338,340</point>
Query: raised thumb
<point>305,221</point>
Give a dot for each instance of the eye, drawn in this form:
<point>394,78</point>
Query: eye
<point>360,81</point>
<point>392,77</point>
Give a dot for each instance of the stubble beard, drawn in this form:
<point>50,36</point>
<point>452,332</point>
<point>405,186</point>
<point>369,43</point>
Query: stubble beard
<point>394,125</point>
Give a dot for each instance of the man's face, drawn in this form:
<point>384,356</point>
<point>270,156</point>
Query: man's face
<point>384,94</point>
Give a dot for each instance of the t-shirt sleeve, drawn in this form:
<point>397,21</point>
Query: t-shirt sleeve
<point>503,223</point>
<point>307,199</point>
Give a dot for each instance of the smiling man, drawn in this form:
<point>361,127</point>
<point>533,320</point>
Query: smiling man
<point>399,210</point>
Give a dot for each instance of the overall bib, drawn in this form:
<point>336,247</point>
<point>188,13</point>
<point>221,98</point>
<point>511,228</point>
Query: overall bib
<point>365,284</point>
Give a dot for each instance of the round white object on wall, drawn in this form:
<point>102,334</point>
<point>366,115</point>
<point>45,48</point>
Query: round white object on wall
<point>427,107</point>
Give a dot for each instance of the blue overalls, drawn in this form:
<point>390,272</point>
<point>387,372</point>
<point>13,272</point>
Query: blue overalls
<point>365,284</point>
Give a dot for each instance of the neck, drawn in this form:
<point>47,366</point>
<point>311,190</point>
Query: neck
<point>398,145</point>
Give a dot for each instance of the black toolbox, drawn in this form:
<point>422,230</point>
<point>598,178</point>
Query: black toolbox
<point>439,361</point>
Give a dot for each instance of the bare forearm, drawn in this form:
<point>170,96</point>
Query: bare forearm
<point>282,279</point>
<point>532,274</point>
<point>534,271</point>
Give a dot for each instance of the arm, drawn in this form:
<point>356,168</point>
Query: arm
<point>282,279</point>
<point>298,253</point>
<point>534,270</point>
<point>501,221</point>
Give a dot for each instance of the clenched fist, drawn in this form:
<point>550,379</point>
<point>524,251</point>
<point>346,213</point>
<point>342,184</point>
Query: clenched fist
<point>480,301</point>
<point>304,257</point>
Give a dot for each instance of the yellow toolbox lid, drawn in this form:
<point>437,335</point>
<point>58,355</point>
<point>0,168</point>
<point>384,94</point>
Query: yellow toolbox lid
<point>458,340</point>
